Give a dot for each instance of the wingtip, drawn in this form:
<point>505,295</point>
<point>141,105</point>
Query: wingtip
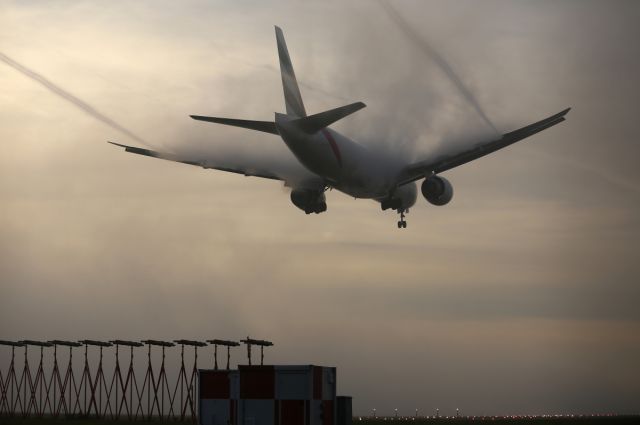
<point>560,114</point>
<point>116,144</point>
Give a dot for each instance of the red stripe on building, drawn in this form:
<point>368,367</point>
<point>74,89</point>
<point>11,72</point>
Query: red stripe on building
<point>214,384</point>
<point>233,409</point>
<point>291,412</point>
<point>307,412</point>
<point>317,383</point>
<point>257,382</point>
<point>327,412</point>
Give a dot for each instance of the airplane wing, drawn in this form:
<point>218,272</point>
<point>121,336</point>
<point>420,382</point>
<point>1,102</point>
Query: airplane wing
<point>425,168</point>
<point>199,163</point>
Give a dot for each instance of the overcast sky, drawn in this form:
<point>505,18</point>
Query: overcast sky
<point>520,296</point>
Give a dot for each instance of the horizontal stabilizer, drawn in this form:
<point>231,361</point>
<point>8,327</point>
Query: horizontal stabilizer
<point>264,126</point>
<point>317,122</point>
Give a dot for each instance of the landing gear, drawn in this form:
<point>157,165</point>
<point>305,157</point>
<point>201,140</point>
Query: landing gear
<point>402,224</point>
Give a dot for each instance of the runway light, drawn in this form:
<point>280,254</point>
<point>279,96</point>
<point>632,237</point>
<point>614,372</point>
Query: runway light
<point>190,342</point>
<point>127,343</point>
<point>11,343</point>
<point>36,343</point>
<point>159,343</point>
<point>224,343</point>
<point>65,343</point>
<point>96,343</point>
<point>261,343</point>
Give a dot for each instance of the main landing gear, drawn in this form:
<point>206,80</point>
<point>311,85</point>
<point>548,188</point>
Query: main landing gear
<point>402,224</point>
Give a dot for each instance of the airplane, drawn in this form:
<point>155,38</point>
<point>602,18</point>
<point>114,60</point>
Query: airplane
<point>332,161</point>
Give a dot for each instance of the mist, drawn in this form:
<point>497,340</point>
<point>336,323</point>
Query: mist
<point>421,43</point>
<point>74,100</point>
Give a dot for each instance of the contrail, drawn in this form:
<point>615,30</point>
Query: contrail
<point>55,89</point>
<point>438,59</point>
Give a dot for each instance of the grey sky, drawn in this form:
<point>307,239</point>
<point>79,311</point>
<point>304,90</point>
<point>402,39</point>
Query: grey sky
<point>518,297</point>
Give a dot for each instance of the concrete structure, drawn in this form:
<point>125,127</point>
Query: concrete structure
<point>270,395</point>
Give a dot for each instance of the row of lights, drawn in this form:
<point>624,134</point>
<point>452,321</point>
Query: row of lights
<point>437,415</point>
<point>102,344</point>
<point>457,416</point>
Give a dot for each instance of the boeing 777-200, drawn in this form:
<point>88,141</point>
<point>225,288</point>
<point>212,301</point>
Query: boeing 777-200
<point>331,160</point>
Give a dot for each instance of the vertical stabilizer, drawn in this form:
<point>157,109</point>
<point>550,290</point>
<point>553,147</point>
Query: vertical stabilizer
<point>292,97</point>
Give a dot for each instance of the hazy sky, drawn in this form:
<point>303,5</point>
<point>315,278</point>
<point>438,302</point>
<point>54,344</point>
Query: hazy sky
<point>520,296</point>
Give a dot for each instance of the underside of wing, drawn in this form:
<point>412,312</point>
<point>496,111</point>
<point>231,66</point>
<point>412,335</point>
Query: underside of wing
<point>426,168</point>
<point>246,171</point>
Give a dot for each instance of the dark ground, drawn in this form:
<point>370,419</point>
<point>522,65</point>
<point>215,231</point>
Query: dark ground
<point>601,420</point>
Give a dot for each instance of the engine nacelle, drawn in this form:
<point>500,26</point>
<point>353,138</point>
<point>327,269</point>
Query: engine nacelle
<point>437,190</point>
<point>403,198</point>
<point>309,201</point>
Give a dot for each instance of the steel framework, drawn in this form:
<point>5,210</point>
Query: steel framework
<point>67,387</point>
<point>37,385</point>
<point>9,399</point>
<point>156,389</point>
<point>90,391</point>
<point>190,384</point>
<point>224,343</point>
<point>129,384</point>
<point>259,342</point>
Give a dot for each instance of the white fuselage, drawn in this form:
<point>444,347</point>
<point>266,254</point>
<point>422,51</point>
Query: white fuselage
<point>346,165</point>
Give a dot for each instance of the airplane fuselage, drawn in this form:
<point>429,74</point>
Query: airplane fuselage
<point>345,164</point>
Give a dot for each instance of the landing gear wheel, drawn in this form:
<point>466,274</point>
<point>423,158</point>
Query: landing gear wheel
<point>402,224</point>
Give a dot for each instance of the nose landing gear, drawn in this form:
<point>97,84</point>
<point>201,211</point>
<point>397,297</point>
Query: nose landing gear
<point>402,224</point>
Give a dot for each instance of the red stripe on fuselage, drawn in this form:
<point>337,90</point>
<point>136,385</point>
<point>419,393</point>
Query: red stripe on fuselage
<point>333,144</point>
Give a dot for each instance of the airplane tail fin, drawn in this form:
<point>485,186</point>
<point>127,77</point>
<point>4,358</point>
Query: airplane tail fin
<point>292,97</point>
<point>293,102</point>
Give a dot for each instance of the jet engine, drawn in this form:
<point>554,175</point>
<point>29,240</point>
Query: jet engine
<point>403,198</point>
<point>437,190</point>
<point>309,201</point>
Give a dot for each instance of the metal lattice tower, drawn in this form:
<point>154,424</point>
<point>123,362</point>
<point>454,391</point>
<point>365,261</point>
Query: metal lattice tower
<point>129,383</point>
<point>259,342</point>
<point>224,343</point>
<point>190,401</point>
<point>93,393</point>
<point>98,383</point>
<point>57,382</point>
<point>36,385</point>
<point>160,386</point>
<point>8,398</point>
